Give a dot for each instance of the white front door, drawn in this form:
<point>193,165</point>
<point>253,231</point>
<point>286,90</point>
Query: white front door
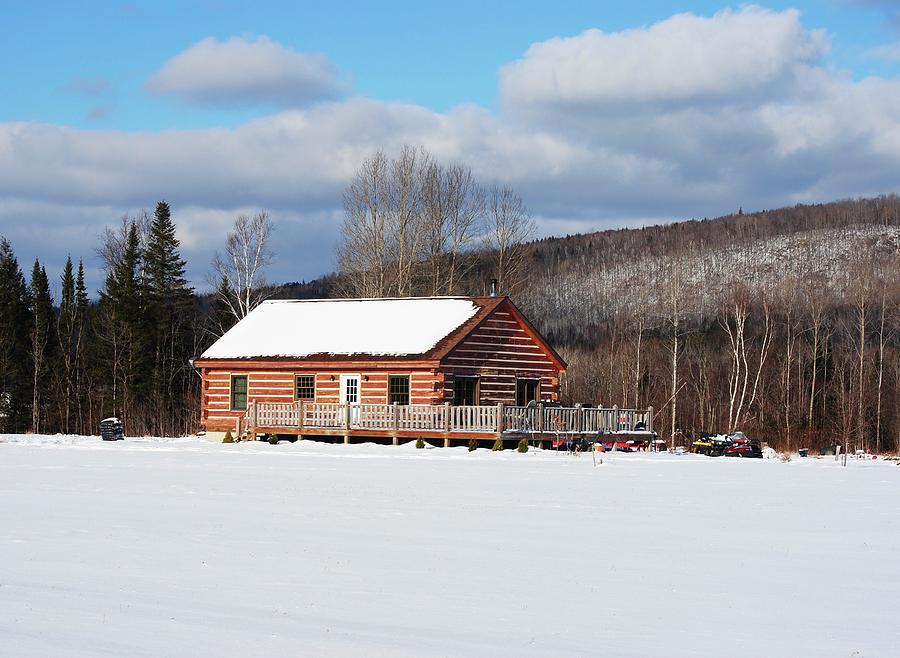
<point>350,395</point>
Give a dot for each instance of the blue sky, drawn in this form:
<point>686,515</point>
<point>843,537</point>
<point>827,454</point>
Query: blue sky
<point>433,55</point>
<point>600,114</point>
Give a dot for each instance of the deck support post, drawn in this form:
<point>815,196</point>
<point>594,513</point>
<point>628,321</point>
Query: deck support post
<point>578,424</point>
<point>446,412</point>
<point>395,424</point>
<point>615,418</point>
<point>500,421</point>
<point>299,420</point>
<point>539,425</point>
<point>347,423</point>
<point>253,419</point>
<point>649,419</point>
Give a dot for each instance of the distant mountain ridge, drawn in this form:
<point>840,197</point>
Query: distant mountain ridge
<point>580,281</point>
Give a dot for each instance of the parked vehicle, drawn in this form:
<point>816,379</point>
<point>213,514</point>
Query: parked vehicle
<point>619,446</point>
<point>712,446</point>
<point>743,449</point>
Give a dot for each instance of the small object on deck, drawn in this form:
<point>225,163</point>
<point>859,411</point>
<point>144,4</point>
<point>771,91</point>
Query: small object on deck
<point>111,429</point>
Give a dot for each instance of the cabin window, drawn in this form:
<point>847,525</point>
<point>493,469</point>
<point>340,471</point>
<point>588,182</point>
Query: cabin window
<point>527,390</point>
<point>239,392</point>
<point>465,390</point>
<point>305,387</point>
<point>398,389</point>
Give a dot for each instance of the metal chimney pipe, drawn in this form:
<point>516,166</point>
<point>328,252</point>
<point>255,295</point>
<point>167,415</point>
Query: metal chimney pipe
<point>493,287</point>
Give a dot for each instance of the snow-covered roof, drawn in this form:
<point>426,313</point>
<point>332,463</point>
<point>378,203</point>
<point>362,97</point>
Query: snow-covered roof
<point>376,327</point>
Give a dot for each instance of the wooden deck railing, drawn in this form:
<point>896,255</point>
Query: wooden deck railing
<point>481,419</point>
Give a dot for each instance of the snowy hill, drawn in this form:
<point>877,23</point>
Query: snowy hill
<point>818,257</point>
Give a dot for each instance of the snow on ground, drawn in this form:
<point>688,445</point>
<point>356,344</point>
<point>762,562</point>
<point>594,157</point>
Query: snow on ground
<point>154,547</point>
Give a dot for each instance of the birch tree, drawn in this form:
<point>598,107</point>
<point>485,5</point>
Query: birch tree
<point>242,265</point>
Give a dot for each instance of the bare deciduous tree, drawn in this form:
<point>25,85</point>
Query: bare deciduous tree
<point>239,270</point>
<point>406,227</point>
<point>363,251</point>
<point>465,215</point>
<point>453,205</point>
<point>509,226</point>
<point>113,239</point>
<point>742,394</point>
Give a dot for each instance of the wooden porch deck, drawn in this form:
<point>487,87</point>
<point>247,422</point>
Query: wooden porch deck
<point>443,422</point>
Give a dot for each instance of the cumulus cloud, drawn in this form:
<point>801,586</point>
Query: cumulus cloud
<point>247,71</point>
<point>757,128</point>
<point>747,54</point>
<point>737,106</point>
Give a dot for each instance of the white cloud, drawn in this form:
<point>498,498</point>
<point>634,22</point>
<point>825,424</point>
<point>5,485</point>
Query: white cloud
<point>745,54</point>
<point>757,129</point>
<point>247,71</point>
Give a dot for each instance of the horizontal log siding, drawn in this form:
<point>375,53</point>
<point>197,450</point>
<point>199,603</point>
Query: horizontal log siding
<point>267,385</point>
<point>499,352</point>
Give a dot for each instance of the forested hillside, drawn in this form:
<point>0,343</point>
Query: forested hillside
<point>781,323</point>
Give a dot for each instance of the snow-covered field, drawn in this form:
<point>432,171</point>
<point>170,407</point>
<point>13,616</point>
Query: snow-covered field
<point>153,547</point>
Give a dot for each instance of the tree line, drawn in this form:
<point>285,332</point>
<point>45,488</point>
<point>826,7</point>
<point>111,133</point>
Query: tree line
<point>782,323</point>
<point>66,364</point>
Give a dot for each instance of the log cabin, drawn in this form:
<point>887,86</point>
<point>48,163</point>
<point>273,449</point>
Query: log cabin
<point>341,356</point>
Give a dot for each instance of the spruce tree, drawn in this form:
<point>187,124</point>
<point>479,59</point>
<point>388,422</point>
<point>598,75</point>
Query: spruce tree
<point>170,312</point>
<point>164,266</point>
<point>83,343</point>
<point>68,334</point>
<point>42,343</point>
<point>81,296</point>
<point>123,327</point>
<point>14,332</point>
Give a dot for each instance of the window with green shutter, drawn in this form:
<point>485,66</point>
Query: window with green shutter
<point>239,392</point>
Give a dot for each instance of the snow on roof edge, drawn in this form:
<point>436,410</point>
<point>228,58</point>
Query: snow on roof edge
<point>344,331</point>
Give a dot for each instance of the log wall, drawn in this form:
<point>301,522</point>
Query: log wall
<point>267,384</point>
<point>498,352</point>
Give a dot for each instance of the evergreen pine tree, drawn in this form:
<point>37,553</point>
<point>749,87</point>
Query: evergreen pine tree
<point>122,325</point>
<point>164,266</point>
<point>83,343</point>
<point>81,296</point>
<point>14,332</point>
<point>170,306</point>
<point>43,342</point>
<point>66,332</point>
